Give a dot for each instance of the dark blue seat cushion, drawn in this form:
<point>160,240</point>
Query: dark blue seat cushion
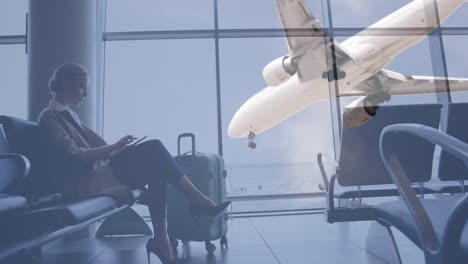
<point>396,213</point>
<point>454,188</point>
<point>75,212</point>
<point>56,216</point>
<point>11,203</point>
<point>446,187</point>
<point>43,221</point>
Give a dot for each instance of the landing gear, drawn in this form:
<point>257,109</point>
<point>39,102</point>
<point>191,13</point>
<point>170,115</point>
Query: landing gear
<point>251,144</point>
<point>330,75</point>
<point>380,95</point>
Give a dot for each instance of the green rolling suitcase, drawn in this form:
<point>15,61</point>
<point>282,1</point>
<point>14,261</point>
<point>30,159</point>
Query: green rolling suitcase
<point>208,174</point>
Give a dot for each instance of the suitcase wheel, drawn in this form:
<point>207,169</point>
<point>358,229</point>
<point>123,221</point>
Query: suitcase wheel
<point>223,241</point>
<point>210,247</point>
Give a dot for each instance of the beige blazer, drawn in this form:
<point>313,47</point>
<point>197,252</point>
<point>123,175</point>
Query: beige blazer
<point>78,177</point>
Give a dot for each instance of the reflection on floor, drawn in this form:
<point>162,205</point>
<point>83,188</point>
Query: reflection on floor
<point>292,239</point>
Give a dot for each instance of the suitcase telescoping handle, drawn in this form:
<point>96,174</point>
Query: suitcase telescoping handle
<point>190,135</point>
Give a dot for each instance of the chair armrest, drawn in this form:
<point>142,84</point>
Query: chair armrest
<point>331,193</point>
<point>323,172</point>
<point>45,201</point>
<point>22,163</point>
<point>452,145</point>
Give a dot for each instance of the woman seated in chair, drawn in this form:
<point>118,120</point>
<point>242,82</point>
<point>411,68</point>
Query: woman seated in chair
<point>95,167</point>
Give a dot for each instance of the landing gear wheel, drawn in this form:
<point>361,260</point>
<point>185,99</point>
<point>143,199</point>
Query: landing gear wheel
<point>325,75</point>
<point>223,242</point>
<point>210,247</point>
<point>341,75</point>
<point>174,243</point>
<point>252,145</point>
<point>330,75</point>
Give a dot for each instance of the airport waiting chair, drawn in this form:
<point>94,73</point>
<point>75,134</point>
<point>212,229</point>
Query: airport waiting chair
<point>13,169</point>
<point>360,173</point>
<point>437,226</point>
<point>26,138</point>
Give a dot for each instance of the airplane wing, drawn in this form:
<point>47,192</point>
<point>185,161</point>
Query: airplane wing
<point>307,39</point>
<point>398,84</point>
<point>294,16</point>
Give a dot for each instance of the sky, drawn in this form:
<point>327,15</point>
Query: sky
<point>161,88</point>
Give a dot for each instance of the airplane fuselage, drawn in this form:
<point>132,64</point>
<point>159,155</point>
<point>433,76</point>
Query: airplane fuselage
<point>371,52</point>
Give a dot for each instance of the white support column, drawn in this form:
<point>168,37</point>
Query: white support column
<point>61,31</point>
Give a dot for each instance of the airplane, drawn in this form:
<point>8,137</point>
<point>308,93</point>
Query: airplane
<point>302,77</point>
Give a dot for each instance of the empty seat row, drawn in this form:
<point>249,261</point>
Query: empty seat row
<point>435,223</point>
<point>360,173</point>
<point>436,226</point>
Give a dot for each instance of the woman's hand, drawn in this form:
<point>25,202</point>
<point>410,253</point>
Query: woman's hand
<point>123,142</point>
<point>107,151</point>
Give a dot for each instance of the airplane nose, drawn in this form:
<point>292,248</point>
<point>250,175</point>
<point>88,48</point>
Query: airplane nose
<point>244,121</point>
<point>234,128</point>
<point>238,128</point>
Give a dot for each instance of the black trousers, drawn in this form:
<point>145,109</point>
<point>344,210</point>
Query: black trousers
<point>148,163</point>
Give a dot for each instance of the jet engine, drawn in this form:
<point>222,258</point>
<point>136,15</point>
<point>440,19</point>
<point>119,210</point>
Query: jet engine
<point>280,70</point>
<point>359,112</point>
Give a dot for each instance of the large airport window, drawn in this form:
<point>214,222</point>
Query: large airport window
<point>362,13</point>
<point>13,17</point>
<point>161,89</point>
<point>457,64</point>
<point>415,61</point>
<point>458,18</point>
<point>148,15</point>
<point>245,14</point>
<point>284,160</point>
<point>13,99</point>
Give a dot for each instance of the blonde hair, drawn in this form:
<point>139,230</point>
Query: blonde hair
<point>67,71</point>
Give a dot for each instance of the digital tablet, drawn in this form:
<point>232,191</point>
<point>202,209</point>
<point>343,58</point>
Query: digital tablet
<point>138,141</point>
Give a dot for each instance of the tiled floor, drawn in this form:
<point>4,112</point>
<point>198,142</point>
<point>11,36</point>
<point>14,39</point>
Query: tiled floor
<point>260,240</point>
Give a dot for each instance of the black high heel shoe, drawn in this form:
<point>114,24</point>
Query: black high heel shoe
<point>197,210</point>
<point>151,248</point>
